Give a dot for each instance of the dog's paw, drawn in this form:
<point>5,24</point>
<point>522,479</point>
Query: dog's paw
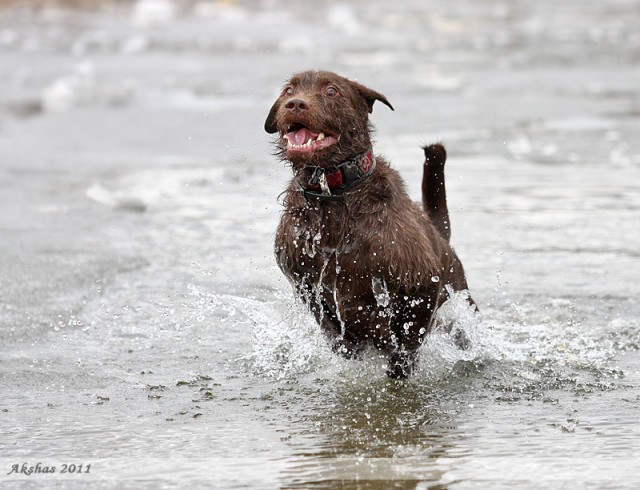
<point>461,340</point>
<point>346,349</point>
<point>459,336</point>
<point>401,365</point>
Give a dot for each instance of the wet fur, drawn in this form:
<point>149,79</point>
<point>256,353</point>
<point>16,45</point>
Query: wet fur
<point>374,268</point>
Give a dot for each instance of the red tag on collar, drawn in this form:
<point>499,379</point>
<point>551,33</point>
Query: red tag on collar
<point>334,179</point>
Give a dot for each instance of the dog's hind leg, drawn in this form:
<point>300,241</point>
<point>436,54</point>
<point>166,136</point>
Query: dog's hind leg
<point>434,194</point>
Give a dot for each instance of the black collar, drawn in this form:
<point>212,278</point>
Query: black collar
<point>330,184</point>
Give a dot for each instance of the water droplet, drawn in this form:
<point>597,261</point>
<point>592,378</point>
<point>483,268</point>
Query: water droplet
<point>435,279</point>
<point>380,291</point>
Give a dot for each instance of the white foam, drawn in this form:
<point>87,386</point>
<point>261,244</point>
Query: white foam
<point>149,13</point>
<point>70,91</point>
<point>158,188</point>
<point>580,123</point>
<point>224,11</point>
<point>115,199</point>
<point>343,18</point>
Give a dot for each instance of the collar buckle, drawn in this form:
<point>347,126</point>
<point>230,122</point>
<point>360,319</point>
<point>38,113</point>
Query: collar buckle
<point>319,178</point>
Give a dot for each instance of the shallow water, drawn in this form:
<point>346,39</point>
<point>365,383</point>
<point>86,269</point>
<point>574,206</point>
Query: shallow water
<point>147,332</point>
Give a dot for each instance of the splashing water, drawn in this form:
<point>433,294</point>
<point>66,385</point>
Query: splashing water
<point>287,342</point>
<point>380,291</point>
<point>516,353</point>
<point>520,357</point>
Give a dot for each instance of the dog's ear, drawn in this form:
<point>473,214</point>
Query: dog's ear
<point>270,124</point>
<point>370,96</point>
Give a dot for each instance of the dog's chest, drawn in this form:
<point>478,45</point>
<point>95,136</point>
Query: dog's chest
<point>316,246</point>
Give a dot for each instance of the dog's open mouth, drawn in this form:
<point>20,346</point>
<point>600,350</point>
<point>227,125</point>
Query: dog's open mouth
<point>301,139</point>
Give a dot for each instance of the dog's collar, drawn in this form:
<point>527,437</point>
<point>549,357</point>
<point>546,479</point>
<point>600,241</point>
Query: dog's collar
<point>330,184</point>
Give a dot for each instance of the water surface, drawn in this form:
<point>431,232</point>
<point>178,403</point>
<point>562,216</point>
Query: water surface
<point>147,332</point>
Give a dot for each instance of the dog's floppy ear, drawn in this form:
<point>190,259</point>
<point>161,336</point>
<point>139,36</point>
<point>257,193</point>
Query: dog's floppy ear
<point>270,124</point>
<point>370,96</point>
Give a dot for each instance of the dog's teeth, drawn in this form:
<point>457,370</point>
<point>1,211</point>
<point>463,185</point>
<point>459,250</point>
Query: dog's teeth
<point>307,144</point>
<point>320,137</point>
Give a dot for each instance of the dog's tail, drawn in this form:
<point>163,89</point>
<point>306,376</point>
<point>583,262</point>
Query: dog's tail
<point>434,194</point>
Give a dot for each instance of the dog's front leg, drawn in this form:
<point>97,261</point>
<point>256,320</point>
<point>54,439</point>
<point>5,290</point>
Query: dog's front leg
<point>414,321</point>
<point>336,332</point>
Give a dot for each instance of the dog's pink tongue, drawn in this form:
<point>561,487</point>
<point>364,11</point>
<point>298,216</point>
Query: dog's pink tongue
<point>301,136</point>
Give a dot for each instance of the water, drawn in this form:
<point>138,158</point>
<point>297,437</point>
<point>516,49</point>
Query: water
<point>147,332</point>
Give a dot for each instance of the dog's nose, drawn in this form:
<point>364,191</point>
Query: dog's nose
<point>296,105</point>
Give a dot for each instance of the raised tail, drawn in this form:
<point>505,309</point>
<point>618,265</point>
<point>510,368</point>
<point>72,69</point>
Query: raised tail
<point>434,194</point>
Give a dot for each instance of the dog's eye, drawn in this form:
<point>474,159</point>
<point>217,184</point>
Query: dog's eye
<point>331,91</point>
<point>288,91</point>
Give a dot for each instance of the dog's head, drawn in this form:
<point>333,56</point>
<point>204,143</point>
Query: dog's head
<point>322,118</point>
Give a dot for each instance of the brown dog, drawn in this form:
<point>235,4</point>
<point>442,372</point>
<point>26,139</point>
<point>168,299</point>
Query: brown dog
<point>370,264</point>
